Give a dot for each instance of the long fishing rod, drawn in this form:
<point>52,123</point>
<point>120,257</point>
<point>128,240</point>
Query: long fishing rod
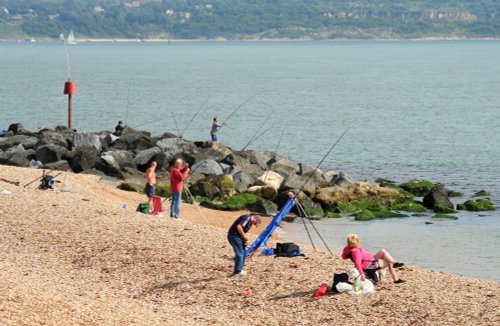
<point>128,104</point>
<point>192,119</point>
<point>256,137</point>
<point>251,140</point>
<point>324,157</point>
<point>241,105</point>
<point>277,147</point>
<point>176,125</point>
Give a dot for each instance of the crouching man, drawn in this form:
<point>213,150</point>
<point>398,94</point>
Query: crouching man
<point>237,238</point>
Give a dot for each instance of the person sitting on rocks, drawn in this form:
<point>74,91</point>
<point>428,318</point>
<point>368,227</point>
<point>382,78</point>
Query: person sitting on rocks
<point>119,128</point>
<point>364,261</point>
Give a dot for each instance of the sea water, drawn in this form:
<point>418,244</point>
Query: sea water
<point>413,109</point>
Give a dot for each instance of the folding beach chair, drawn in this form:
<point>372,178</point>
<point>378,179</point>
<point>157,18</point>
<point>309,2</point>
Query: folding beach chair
<point>157,206</point>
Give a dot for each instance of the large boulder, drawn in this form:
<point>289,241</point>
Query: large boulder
<point>285,167</point>
<point>266,192</point>
<point>263,207</point>
<point>88,139</point>
<point>242,164</point>
<point>216,186</point>
<point>51,137</point>
<point>270,179</point>
<point>417,187</point>
<point>437,198</point>
<point>242,181</point>
<point>255,158</point>
<point>26,141</point>
<point>356,191</point>
<point>17,128</point>
<point>61,165</point>
<point>207,167</point>
<point>50,153</point>
<point>144,158</point>
<point>342,180</point>
<point>133,140</point>
<point>113,163</point>
<point>483,204</point>
<point>177,147</point>
<point>84,157</point>
<point>16,156</point>
<point>305,182</point>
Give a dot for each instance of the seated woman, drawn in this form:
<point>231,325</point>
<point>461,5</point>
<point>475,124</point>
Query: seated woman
<point>364,260</point>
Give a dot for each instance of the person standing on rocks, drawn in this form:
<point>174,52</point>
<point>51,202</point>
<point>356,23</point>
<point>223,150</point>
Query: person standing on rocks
<point>178,174</point>
<point>215,129</point>
<point>237,238</point>
<point>150,183</point>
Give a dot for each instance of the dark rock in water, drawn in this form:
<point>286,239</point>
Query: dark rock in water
<point>481,193</point>
<point>26,141</point>
<point>452,193</point>
<point>342,180</point>
<point>385,182</point>
<point>17,128</point>
<point>112,163</point>
<point>451,217</point>
<point>84,157</point>
<point>437,197</point>
<point>477,205</point>
<point>207,167</point>
<point>417,187</point>
<point>88,139</point>
<point>16,156</point>
<point>50,153</point>
<point>242,181</point>
<point>61,165</point>
<point>264,207</point>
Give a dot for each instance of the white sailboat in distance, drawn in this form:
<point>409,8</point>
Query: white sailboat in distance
<point>71,38</point>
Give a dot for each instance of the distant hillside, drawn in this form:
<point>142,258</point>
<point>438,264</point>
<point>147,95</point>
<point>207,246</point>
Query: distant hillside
<point>250,19</point>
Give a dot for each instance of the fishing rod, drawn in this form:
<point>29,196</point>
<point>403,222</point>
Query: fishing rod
<point>176,125</point>
<point>277,147</point>
<point>254,136</point>
<point>257,137</point>
<point>192,119</point>
<point>241,105</point>
<point>128,104</point>
<point>324,157</point>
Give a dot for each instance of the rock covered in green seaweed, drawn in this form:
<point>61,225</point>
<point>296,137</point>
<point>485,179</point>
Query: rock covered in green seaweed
<point>478,205</point>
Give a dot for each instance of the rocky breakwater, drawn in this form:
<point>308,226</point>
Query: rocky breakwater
<point>220,177</point>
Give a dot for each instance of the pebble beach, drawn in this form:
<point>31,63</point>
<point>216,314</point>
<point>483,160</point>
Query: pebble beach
<point>81,255</point>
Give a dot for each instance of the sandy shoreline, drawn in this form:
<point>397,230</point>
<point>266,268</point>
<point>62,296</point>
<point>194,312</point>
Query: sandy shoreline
<point>78,257</point>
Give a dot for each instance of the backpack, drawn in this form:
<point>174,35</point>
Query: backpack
<point>339,278</point>
<point>287,249</point>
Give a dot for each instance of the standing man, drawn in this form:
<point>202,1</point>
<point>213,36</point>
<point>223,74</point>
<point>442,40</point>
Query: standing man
<point>237,238</point>
<point>150,183</point>
<point>215,128</point>
<point>178,174</point>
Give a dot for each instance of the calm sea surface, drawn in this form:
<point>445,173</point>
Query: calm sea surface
<point>415,109</point>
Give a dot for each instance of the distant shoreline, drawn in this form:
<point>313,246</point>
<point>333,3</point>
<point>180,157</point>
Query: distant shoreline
<point>305,39</point>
